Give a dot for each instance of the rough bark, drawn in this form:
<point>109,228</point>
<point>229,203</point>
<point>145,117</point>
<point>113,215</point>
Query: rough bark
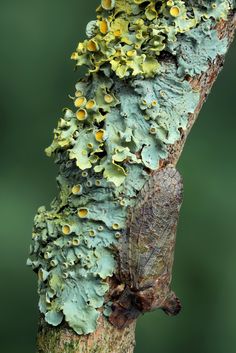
<point>108,339</point>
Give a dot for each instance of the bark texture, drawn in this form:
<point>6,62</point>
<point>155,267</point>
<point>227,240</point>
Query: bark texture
<point>108,339</point>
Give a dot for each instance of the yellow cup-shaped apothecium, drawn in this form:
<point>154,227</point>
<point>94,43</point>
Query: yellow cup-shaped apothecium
<point>175,11</point>
<point>81,114</point>
<point>92,233</point>
<point>75,241</point>
<point>91,104</point>
<point>100,135</point>
<point>108,4</point>
<point>83,212</point>
<point>92,45</point>
<point>131,53</point>
<point>104,26</point>
<point>153,130</point>
<point>66,229</point>
<point>74,56</point>
<point>77,189</point>
<point>115,226</point>
<point>80,102</point>
<point>79,93</point>
<point>108,98</point>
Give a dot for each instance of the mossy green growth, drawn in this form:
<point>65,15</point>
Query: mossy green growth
<point>127,110</point>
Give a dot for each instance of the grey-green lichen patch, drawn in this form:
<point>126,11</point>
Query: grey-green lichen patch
<point>194,50</point>
<point>71,267</point>
<point>168,102</point>
<point>129,108</point>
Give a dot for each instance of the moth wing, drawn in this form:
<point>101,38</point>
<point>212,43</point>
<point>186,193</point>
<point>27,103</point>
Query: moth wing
<point>151,229</point>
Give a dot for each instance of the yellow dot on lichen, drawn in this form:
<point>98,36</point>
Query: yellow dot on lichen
<point>92,233</point>
<point>80,47</point>
<point>74,56</point>
<point>92,45</point>
<point>78,93</point>
<point>115,226</point>
<point>153,130</point>
<point>104,26</point>
<point>108,4</point>
<point>139,36</point>
<point>131,53</point>
<point>170,3</point>
<point>154,103</point>
<point>75,241</point>
<point>214,6</point>
<point>117,33</point>
<point>81,114</point>
<point>91,104</point>
<point>99,135</point>
<point>100,228</point>
<point>77,189</point>
<point>175,11</point>
<point>66,229</point>
<point>108,98</point>
<point>83,212</point>
<point>80,101</point>
<point>84,174</point>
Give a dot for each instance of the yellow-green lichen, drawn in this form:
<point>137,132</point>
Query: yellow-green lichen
<point>129,36</point>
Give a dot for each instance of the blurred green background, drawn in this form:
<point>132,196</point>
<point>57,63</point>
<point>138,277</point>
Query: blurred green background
<point>37,38</point>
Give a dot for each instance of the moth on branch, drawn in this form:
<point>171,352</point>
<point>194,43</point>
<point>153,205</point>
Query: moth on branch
<point>147,249</point>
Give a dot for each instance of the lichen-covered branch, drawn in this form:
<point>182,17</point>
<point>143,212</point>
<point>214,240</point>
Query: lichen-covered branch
<point>150,65</point>
<point>203,83</point>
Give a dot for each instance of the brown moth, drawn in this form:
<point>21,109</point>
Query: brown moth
<point>146,251</point>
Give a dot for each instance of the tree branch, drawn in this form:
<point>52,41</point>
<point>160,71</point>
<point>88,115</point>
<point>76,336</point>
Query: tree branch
<point>107,338</point>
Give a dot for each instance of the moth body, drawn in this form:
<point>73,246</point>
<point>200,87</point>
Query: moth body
<point>146,251</point>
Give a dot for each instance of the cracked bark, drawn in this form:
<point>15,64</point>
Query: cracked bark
<point>108,339</point>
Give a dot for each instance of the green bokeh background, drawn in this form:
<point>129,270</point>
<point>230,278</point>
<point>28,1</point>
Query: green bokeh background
<point>37,74</point>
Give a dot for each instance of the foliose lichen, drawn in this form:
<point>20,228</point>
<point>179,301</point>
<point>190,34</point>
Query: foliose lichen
<point>130,106</point>
<point>128,37</point>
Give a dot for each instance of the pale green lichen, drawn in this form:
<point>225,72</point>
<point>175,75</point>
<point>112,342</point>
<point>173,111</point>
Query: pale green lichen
<point>194,59</point>
<point>131,105</point>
